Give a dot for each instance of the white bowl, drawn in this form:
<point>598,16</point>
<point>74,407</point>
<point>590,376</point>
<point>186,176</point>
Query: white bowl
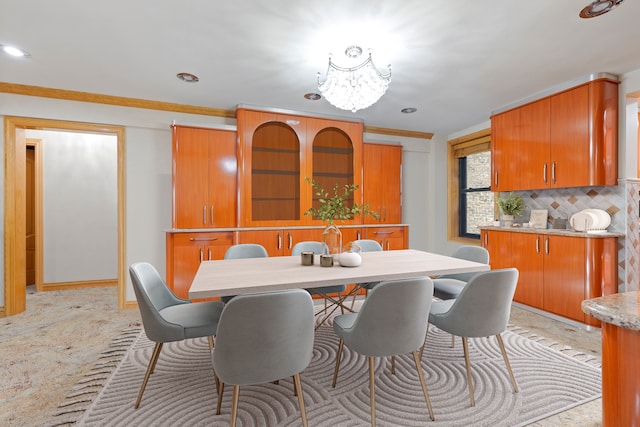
<point>350,259</point>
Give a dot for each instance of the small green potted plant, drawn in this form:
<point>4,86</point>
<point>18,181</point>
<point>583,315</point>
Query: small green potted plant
<point>511,207</point>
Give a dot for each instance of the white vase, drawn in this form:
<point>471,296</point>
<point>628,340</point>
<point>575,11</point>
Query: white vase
<point>507,220</point>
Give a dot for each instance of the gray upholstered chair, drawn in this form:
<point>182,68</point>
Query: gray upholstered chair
<point>318,248</point>
<point>392,321</point>
<point>367,245</point>
<point>167,318</point>
<point>449,286</point>
<point>261,338</point>
<point>244,250</point>
<point>482,309</point>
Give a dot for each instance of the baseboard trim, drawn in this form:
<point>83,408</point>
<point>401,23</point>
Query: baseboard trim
<point>61,286</point>
<point>556,317</point>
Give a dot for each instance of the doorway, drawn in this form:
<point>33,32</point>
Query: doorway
<point>15,203</point>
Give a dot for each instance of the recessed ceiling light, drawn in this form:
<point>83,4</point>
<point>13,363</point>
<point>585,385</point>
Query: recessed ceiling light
<point>188,77</point>
<point>312,96</point>
<point>14,51</point>
<point>599,7</point>
<point>409,110</point>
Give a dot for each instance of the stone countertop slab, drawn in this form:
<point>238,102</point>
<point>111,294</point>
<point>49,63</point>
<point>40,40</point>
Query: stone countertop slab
<point>622,309</point>
<point>552,231</point>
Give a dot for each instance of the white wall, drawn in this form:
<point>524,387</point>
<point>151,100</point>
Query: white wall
<point>148,171</point>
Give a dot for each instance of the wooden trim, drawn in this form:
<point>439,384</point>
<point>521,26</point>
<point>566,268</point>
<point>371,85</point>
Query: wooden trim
<point>71,95</point>
<point>14,221</point>
<point>62,286</point>
<point>39,224</point>
<point>398,132</point>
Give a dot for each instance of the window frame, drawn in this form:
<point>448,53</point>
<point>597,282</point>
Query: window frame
<point>461,147</point>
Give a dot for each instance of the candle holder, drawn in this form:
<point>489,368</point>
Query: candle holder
<point>306,258</point>
<point>326,260</point>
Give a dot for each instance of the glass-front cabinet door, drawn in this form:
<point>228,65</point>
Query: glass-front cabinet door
<point>278,152</point>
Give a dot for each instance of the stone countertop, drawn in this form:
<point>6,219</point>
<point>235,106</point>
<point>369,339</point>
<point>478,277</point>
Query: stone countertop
<point>299,227</point>
<point>621,309</point>
<point>553,231</point>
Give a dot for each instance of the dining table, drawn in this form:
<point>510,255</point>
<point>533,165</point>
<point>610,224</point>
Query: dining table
<point>219,278</point>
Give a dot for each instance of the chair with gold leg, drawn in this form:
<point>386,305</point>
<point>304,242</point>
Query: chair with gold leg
<point>261,338</point>
<point>482,309</point>
<point>167,318</point>
<point>392,321</point>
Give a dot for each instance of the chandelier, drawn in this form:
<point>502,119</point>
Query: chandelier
<point>354,88</point>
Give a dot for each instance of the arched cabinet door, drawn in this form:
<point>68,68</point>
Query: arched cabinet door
<point>278,152</point>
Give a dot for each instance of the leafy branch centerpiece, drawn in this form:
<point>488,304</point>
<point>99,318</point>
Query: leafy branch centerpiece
<point>334,207</point>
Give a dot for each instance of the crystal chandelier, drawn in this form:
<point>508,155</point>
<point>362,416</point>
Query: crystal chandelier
<point>354,88</point>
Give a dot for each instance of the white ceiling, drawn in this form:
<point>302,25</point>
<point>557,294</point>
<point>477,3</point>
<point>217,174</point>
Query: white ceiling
<point>454,60</point>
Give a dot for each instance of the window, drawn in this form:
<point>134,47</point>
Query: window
<point>475,199</point>
<point>471,202</point>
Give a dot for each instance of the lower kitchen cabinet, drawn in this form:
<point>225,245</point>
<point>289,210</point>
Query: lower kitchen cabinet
<point>390,238</point>
<point>185,252</point>
<point>557,272</point>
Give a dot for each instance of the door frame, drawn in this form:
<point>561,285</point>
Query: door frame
<point>14,202</point>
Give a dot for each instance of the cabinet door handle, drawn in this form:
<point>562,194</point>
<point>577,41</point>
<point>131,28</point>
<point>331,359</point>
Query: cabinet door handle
<point>212,216</point>
<point>385,213</point>
<point>383,232</point>
<point>546,245</point>
<point>486,240</point>
<point>279,241</point>
<point>357,235</point>
<point>538,244</point>
<point>553,172</point>
<point>290,240</point>
<point>201,255</point>
<point>544,173</point>
<point>210,254</point>
<point>202,239</point>
<point>496,178</point>
<point>388,245</point>
<point>204,214</point>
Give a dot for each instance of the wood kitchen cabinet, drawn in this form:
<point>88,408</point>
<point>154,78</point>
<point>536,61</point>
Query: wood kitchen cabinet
<point>382,165</point>
<point>390,238</point>
<point>279,242</point>
<point>185,252</point>
<point>278,152</point>
<point>568,139</point>
<point>204,177</point>
<point>557,272</point>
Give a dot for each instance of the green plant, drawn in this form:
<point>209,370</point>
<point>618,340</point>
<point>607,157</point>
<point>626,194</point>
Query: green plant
<point>333,207</point>
<point>513,204</point>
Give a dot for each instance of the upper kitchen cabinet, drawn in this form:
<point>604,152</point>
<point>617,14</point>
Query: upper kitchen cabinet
<point>278,152</point>
<point>204,177</point>
<point>382,166</point>
<point>568,139</point>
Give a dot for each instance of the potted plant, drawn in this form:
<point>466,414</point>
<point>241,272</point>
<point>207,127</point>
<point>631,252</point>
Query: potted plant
<point>334,208</point>
<point>511,206</point>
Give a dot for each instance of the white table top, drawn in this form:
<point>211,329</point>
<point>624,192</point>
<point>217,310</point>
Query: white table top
<point>241,276</point>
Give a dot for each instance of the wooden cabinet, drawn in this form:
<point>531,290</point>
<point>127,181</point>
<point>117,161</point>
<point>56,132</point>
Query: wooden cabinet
<point>204,177</point>
<point>279,242</point>
<point>390,238</point>
<point>278,152</point>
<point>382,165</point>
<point>557,272</point>
<point>185,252</point>
<point>568,139</point>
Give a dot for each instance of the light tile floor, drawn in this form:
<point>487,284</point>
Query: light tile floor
<point>46,350</point>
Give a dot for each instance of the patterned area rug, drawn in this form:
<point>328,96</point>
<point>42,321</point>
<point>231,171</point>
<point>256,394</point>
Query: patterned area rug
<point>181,391</point>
